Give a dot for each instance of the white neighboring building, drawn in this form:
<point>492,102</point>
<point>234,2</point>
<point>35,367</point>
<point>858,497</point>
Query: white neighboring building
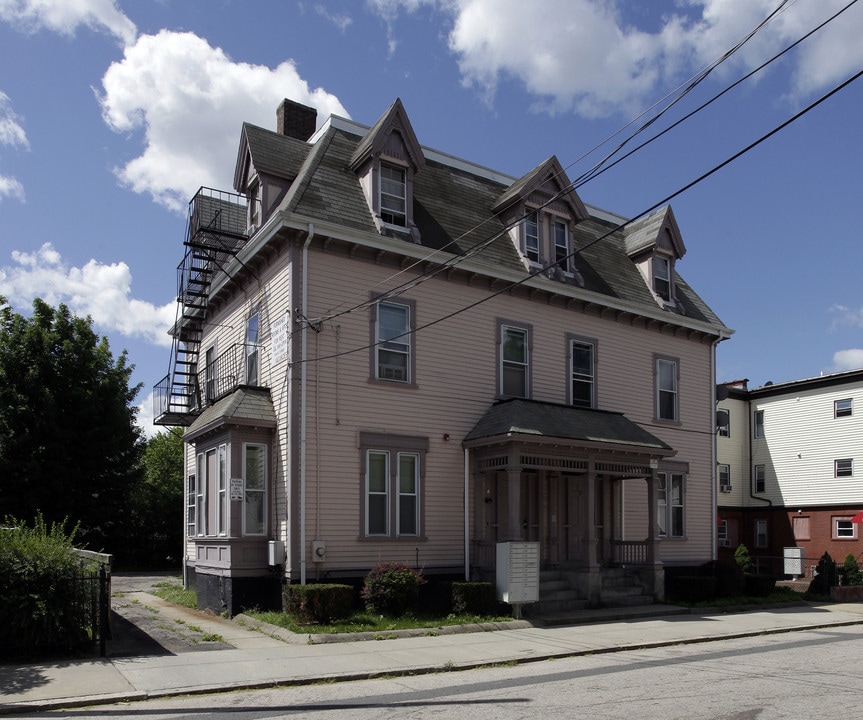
<point>790,470</point>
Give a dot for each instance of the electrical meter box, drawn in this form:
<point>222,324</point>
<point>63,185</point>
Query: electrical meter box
<point>518,572</point>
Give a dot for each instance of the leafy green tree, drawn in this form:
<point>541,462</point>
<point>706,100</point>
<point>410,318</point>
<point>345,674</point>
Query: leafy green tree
<point>69,446</point>
<point>157,503</point>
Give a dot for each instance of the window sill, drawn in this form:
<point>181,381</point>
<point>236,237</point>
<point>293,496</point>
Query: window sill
<point>393,383</point>
<point>392,538</point>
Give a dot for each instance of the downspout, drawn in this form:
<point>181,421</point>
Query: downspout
<point>303,378</point>
<point>466,515</point>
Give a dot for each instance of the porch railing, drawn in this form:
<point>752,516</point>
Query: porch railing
<point>629,552</point>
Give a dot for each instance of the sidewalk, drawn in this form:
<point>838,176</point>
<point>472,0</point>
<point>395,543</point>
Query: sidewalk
<point>242,657</point>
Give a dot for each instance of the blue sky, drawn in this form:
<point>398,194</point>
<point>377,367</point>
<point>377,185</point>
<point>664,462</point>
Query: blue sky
<point>113,113</point>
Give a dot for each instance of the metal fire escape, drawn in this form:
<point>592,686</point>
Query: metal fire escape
<point>216,231</point>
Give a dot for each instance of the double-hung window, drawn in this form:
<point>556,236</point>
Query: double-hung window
<point>843,529</point>
<point>210,374</point>
<point>843,467</point>
<point>670,505</point>
<point>724,472</point>
<point>393,198</point>
<point>582,372</point>
<point>759,477</point>
<point>393,342</point>
<point>254,489</point>
<point>843,408</point>
<point>531,236</point>
<point>514,372</point>
<point>252,328</point>
<point>666,373</point>
<point>662,277</point>
<point>761,536</point>
<point>201,505</point>
<point>222,491</point>
<point>725,428</point>
<point>561,244</point>
<point>191,507</point>
<point>393,470</point>
<point>758,424</point>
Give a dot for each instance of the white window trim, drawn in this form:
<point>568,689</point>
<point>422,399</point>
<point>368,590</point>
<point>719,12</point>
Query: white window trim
<point>502,363</point>
<point>262,491</point>
<point>843,408</point>
<point>666,508</point>
<point>404,198</point>
<point>557,222</point>
<point>202,503</point>
<point>724,487</point>
<point>755,478</point>
<point>759,524</point>
<point>843,467</point>
<point>393,448</point>
<point>658,390</point>
<point>252,346</point>
<point>408,339</point>
<point>758,424</point>
<point>222,506</point>
<point>572,341</point>
<point>191,506</point>
<point>835,528</point>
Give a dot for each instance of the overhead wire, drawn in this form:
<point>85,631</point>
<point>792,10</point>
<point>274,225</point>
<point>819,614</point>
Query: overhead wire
<point>516,283</point>
<point>458,258</point>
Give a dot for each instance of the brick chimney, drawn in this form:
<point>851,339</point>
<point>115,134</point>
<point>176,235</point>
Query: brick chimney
<point>295,120</point>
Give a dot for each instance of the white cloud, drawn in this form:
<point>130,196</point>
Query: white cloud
<point>11,135</point>
<point>190,100</point>
<point>843,315</point>
<point>101,291</point>
<point>342,21</point>
<point>65,16</point>
<point>843,360</point>
<point>584,55</point>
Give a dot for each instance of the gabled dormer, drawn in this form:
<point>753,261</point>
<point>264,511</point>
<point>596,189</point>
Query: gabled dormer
<point>386,161</point>
<point>654,244</point>
<point>541,209</point>
<point>268,162</point>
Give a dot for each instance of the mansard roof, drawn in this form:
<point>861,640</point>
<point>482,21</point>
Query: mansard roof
<point>457,209</point>
<point>268,152</point>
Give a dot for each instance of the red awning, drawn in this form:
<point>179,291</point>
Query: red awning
<point>858,518</point>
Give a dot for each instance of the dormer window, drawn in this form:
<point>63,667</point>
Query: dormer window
<point>662,277</point>
<point>393,198</point>
<point>531,236</point>
<point>561,244</point>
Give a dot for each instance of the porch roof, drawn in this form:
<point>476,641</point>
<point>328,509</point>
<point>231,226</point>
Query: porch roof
<point>245,406</point>
<point>534,420</point>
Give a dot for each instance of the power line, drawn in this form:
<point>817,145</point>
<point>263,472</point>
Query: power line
<point>619,227</point>
<point>458,258</point>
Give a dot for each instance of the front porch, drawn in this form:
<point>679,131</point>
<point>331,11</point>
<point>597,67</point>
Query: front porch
<point>583,484</point>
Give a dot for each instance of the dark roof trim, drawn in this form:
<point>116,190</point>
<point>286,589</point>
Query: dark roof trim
<point>539,422</point>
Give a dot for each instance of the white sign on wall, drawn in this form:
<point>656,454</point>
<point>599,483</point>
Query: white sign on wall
<point>236,488</point>
<point>279,339</point>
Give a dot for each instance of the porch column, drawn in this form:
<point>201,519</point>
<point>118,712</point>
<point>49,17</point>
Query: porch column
<point>592,540</point>
<point>652,549</point>
<point>513,482</point>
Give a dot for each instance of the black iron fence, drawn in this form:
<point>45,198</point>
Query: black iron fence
<point>93,596</point>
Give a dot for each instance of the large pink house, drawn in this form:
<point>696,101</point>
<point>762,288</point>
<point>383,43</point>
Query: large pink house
<point>386,353</point>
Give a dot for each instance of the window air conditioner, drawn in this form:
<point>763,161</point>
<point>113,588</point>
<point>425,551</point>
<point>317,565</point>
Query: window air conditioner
<point>723,542</point>
<point>725,488</point>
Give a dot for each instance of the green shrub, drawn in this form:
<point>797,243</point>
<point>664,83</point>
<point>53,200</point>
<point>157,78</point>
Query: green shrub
<point>743,559</point>
<point>758,585</point>
<point>473,598</point>
<point>323,603</point>
<point>851,574</point>
<point>43,603</point>
<point>693,588</point>
<point>391,588</point>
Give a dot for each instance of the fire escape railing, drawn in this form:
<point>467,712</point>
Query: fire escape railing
<point>216,232</point>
